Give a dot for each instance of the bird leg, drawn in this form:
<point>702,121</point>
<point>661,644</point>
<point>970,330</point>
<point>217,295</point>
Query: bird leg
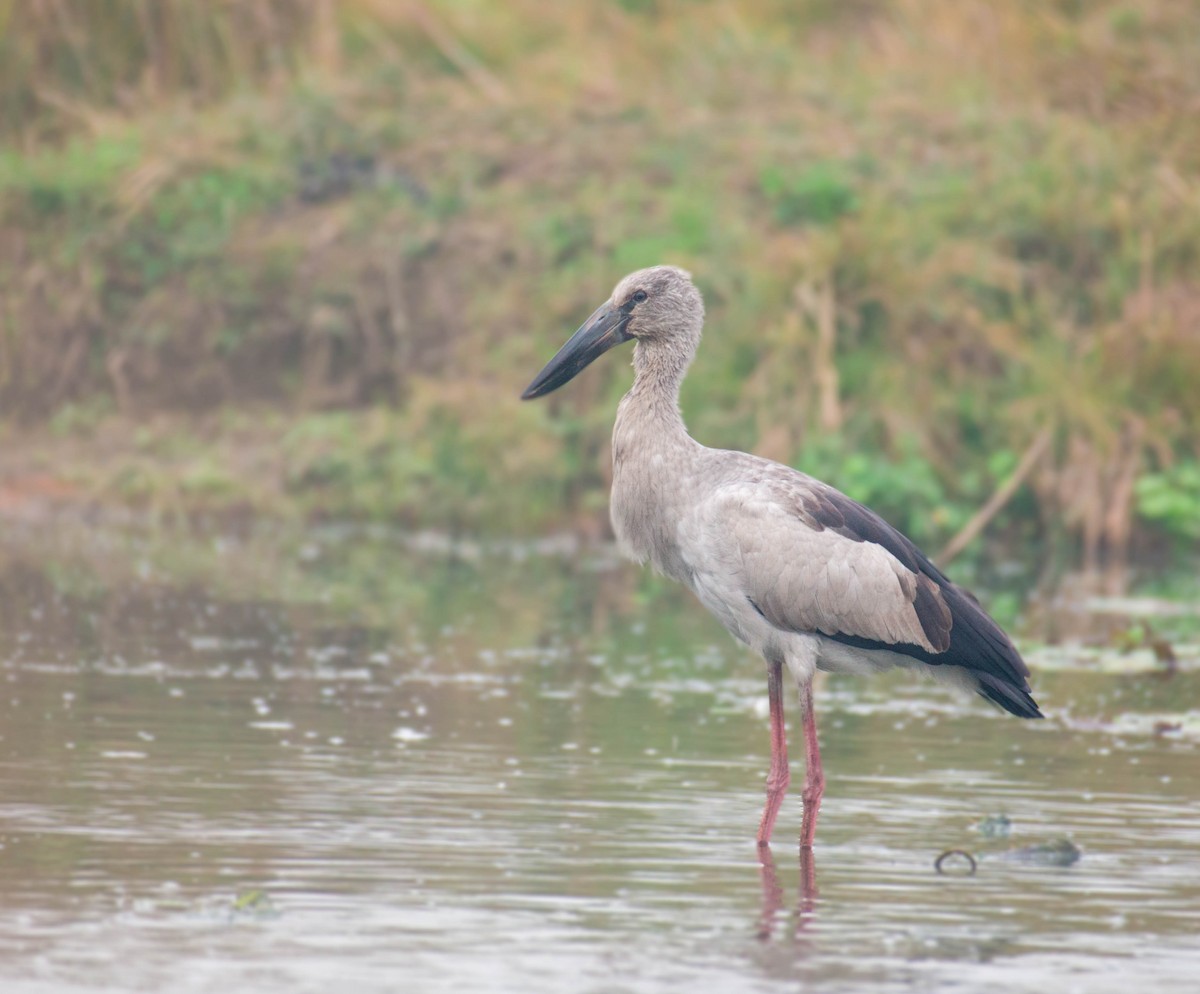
<point>814,776</point>
<point>778,777</point>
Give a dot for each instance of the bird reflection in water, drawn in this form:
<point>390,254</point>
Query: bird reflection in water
<point>773,894</point>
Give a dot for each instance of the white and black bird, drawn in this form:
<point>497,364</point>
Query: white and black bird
<point>799,572</point>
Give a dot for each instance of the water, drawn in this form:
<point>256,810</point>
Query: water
<point>347,760</point>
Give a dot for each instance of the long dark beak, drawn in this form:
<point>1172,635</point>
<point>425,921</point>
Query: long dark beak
<point>599,333</point>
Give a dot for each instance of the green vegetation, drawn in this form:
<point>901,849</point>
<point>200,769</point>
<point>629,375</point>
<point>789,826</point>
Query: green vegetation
<point>1172,499</point>
<point>326,245</point>
<point>819,193</point>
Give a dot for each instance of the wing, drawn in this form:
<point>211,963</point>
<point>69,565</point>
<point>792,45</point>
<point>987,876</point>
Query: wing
<point>809,559</point>
<point>794,556</point>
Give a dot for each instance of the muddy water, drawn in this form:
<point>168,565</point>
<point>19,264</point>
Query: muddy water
<point>351,761</point>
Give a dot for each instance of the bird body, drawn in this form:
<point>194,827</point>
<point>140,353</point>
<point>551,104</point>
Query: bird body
<point>797,571</point>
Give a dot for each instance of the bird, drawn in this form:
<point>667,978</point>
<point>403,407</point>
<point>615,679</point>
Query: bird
<point>803,575</point>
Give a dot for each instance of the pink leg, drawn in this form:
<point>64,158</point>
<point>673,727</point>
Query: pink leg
<point>778,777</point>
<point>814,776</point>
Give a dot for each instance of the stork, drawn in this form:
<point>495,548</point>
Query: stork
<point>797,571</point>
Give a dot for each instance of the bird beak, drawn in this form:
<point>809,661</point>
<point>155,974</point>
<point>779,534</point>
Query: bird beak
<point>599,333</point>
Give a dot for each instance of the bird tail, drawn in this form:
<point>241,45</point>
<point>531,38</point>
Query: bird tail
<point>1014,699</point>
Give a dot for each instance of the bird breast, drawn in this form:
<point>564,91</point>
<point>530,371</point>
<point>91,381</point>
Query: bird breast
<point>647,502</point>
<point>636,508</point>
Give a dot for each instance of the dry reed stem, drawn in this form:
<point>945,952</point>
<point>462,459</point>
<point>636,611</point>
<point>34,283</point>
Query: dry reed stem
<point>979,520</point>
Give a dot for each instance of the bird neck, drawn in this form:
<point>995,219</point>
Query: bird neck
<point>658,373</point>
<point>652,455</point>
<point>649,415</point>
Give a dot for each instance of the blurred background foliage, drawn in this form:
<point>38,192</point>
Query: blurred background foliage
<point>301,257</point>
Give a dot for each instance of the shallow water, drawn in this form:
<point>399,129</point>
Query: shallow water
<point>353,760</point>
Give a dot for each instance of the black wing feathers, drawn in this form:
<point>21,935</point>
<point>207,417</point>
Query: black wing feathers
<point>953,622</point>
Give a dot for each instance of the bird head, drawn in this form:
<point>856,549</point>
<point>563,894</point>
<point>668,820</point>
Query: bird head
<point>659,307</point>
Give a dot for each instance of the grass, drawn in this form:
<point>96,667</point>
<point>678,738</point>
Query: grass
<point>925,233</point>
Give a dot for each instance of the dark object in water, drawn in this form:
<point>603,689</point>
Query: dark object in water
<point>1057,852</point>
<point>958,856</point>
<point>995,827</point>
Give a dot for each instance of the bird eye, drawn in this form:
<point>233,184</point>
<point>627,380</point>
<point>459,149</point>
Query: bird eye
<point>640,296</point>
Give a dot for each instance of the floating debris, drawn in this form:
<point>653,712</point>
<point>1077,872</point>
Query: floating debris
<point>254,904</point>
<point>960,863</point>
<point>956,863</point>
<point>1057,852</point>
<point>995,827</point>
<point>1143,636</point>
<point>1182,725</point>
<point>1143,658</point>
